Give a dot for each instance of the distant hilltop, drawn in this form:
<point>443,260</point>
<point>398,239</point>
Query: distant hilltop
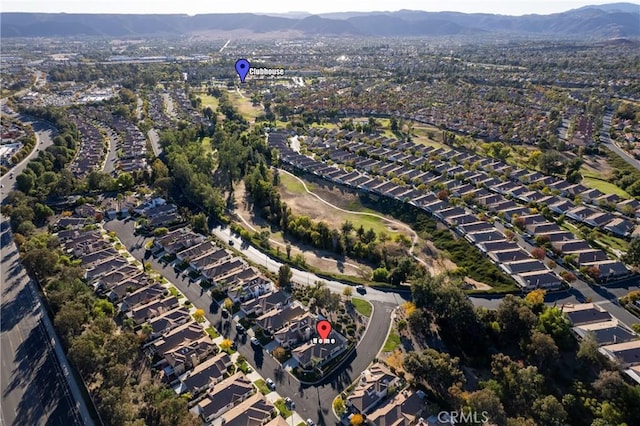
<point>607,21</point>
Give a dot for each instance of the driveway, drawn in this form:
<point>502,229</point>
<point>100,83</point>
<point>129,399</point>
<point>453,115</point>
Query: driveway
<point>312,401</point>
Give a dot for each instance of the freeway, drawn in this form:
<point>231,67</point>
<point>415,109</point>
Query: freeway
<point>36,384</point>
<point>312,401</point>
<point>33,383</point>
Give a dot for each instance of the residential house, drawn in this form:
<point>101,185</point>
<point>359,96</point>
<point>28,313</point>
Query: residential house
<point>625,354</point>
<point>125,287</point>
<point>298,331</point>
<point>153,309</point>
<point>312,355</point>
<point>404,409</point>
<point>609,269</point>
<point>172,339</point>
<point>168,321</point>
<point>254,411</point>
<point>484,236</point>
<point>606,332</point>
<point>580,213</point>
<point>275,319</point>
<point>538,280</point>
<point>224,396</point>
<point>599,219</point>
<point>206,374</point>
<point>112,278</point>
<point>586,313</point>
<point>143,296</point>
<point>520,266</point>
<point>513,255</point>
<point>265,303</point>
<point>621,227</point>
<point>372,388</point>
<point>104,268</point>
<point>188,355</point>
<point>570,246</point>
<point>489,246</point>
<point>583,257</point>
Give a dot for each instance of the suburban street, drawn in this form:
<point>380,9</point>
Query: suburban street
<point>605,296</point>
<point>312,401</point>
<point>112,154</point>
<point>606,140</point>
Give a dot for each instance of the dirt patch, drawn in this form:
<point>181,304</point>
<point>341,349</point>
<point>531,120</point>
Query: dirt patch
<point>477,285</point>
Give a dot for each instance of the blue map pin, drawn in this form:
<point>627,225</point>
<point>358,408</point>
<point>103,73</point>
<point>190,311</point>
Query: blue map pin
<point>242,68</point>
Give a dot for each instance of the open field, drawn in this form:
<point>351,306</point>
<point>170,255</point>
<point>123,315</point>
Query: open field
<point>208,100</point>
<point>604,186</point>
<point>595,172</point>
<point>421,135</point>
<point>302,203</point>
<point>244,105</point>
<point>334,198</point>
<point>293,185</point>
<point>322,260</point>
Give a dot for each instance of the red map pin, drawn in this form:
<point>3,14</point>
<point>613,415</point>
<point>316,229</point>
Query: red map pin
<point>323,328</point>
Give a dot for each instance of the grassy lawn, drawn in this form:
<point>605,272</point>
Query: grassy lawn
<point>421,136</point>
<point>212,332</point>
<point>244,367</point>
<point>325,125</point>
<point>293,185</point>
<point>614,242</point>
<point>206,145</point>
<point>174,292</point>
<point>244,106</point>
<point>604,186</point>
<point>393,341</point>
<point>362,306</point>
<point>262,387</point>
<point>282,407</point>
<point>310,206</point>
<point>208,100</point>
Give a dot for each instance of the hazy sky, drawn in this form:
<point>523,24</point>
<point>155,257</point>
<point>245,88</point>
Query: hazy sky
<point>509,7</point>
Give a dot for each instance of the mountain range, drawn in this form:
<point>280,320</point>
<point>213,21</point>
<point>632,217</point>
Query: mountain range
<point>598,21</point>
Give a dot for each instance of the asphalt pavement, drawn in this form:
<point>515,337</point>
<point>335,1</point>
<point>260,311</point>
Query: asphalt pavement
<point>44,135</point>
<point>312,401</point>
<point>605,296</point>
<point>36,384</point>
<point>34,388</point>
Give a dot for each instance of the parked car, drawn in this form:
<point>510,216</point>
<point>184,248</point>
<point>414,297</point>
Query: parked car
<point>230,242</point>
<point>361,289</point>
<point>240,329</point>
<point>289,403</point>
<point>255,341</point>
<point>310,422</point>
<point>271,384</point>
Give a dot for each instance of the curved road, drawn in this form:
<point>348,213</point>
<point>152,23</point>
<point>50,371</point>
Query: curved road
<point>44,137</point>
